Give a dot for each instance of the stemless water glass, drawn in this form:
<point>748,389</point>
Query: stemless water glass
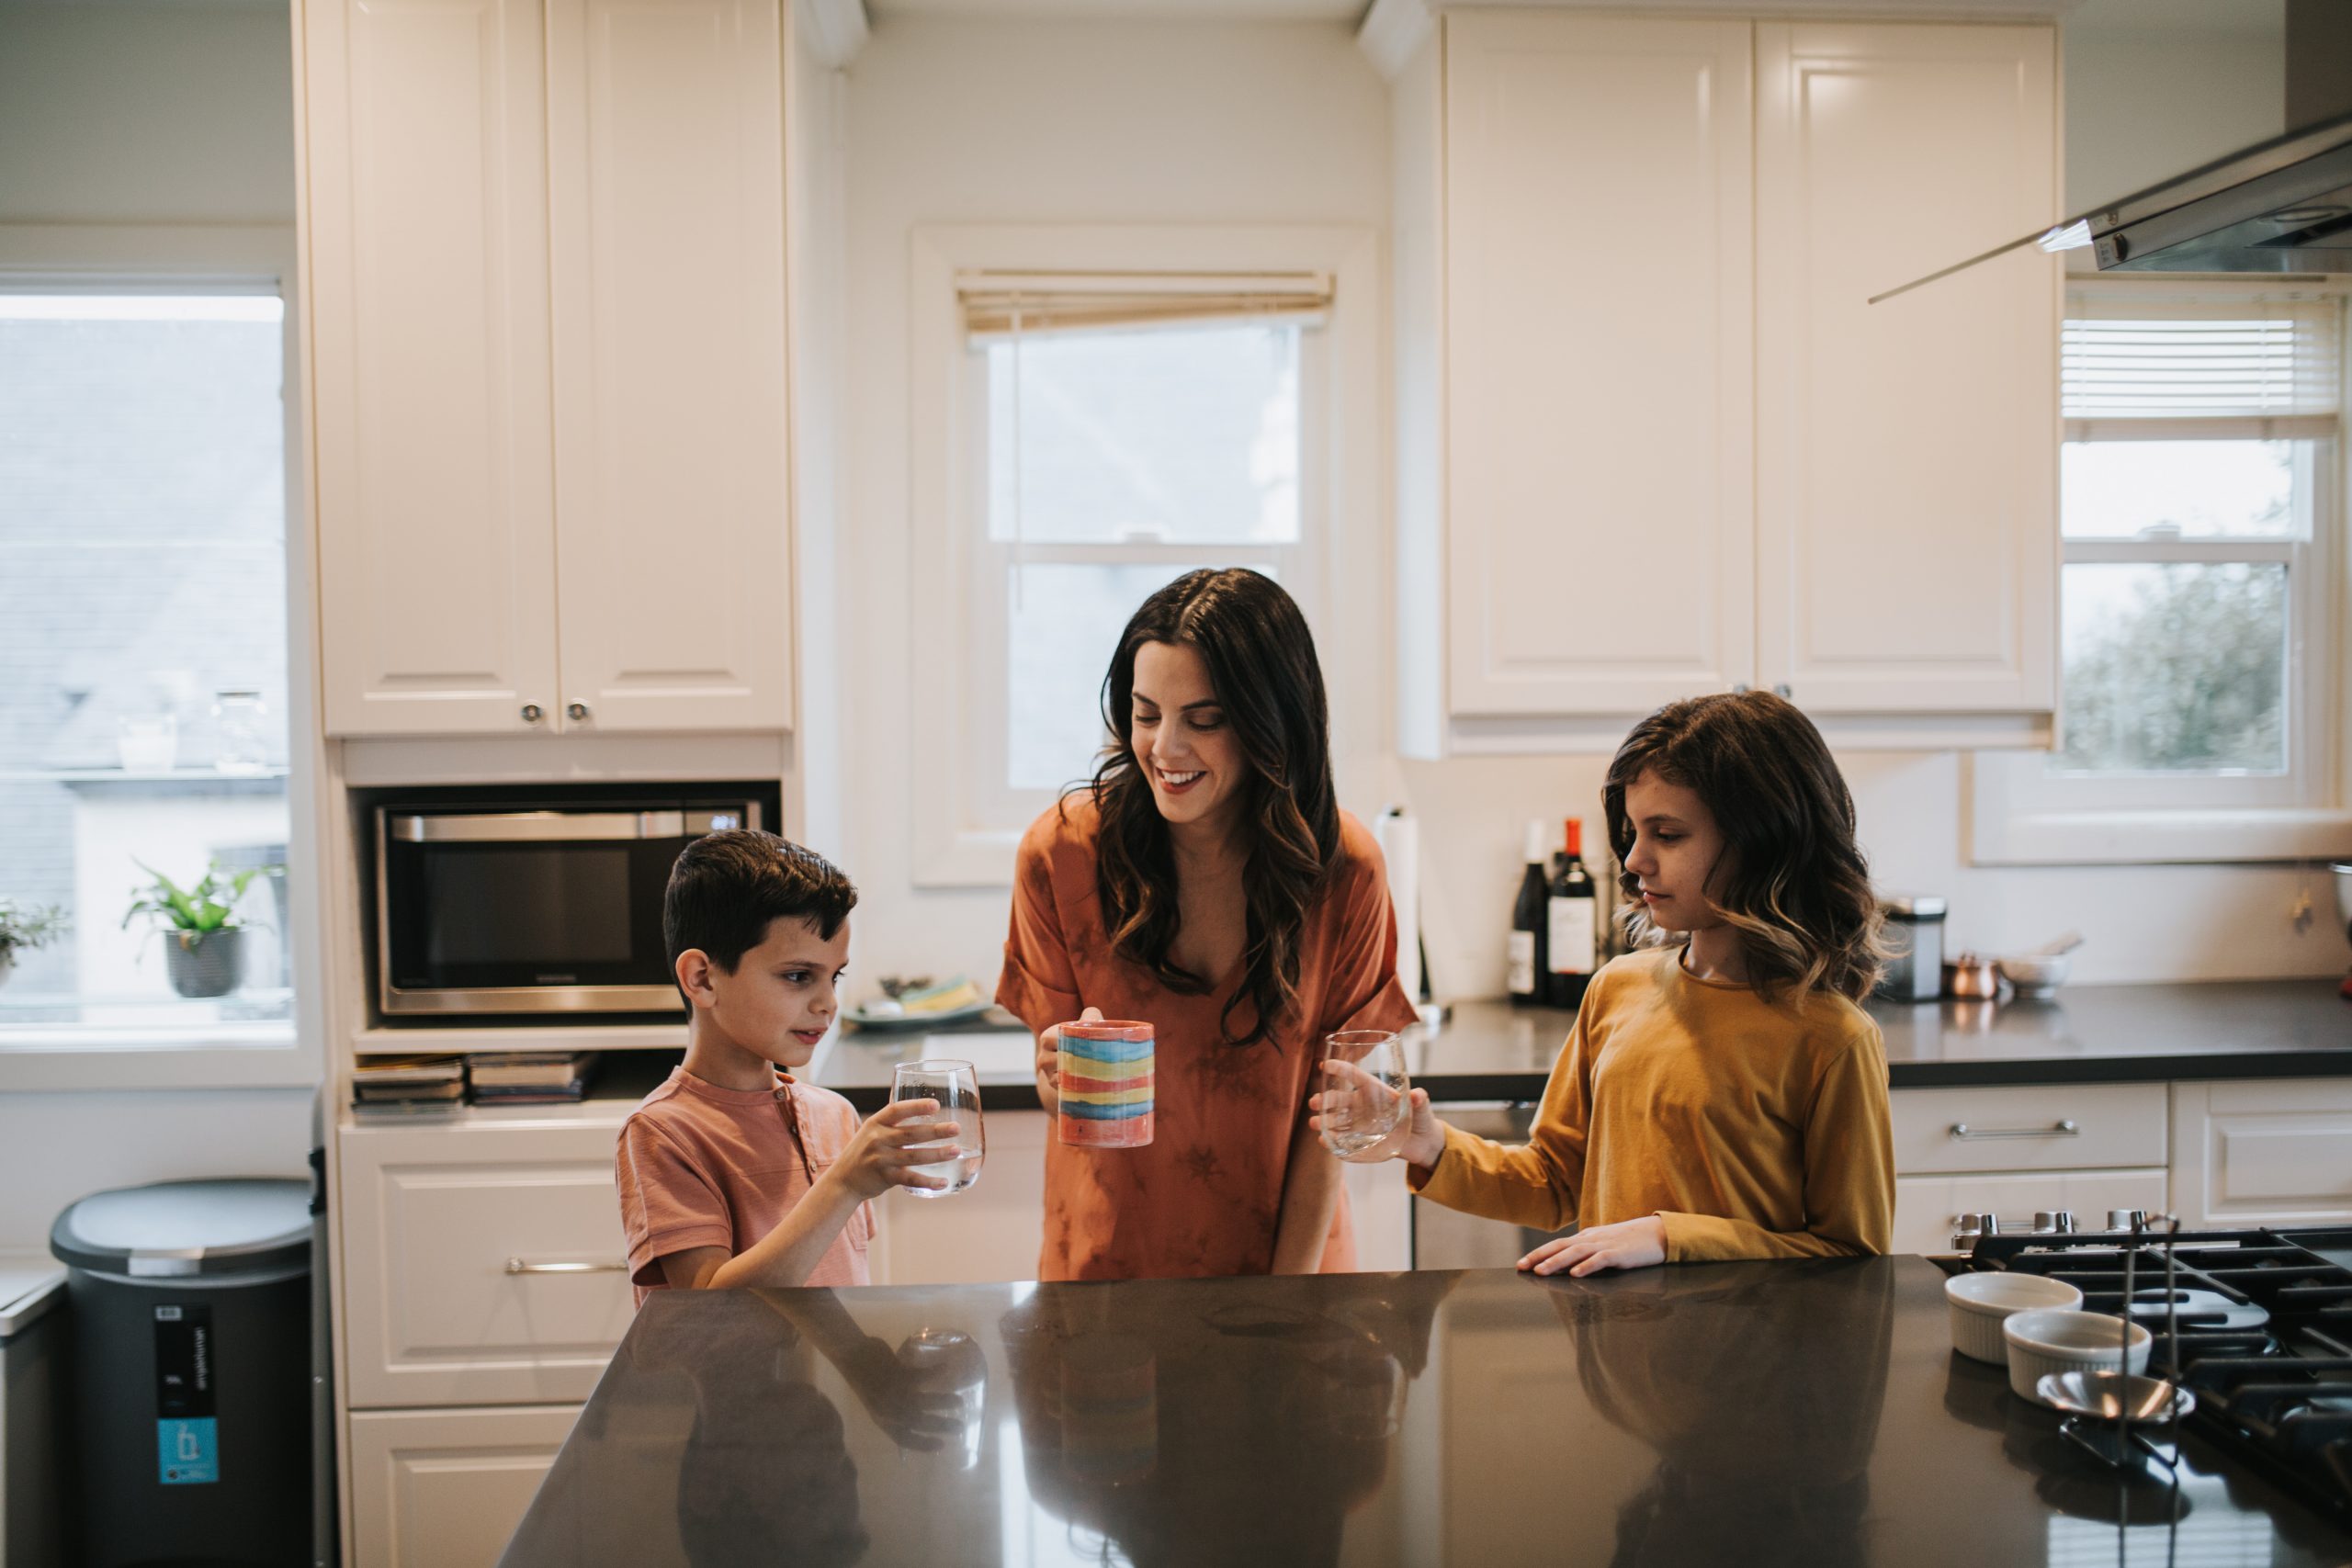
<point>956,1087</point>
<point>1366,1092</point>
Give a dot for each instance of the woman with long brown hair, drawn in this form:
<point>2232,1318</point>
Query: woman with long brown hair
<point>1205,882</point>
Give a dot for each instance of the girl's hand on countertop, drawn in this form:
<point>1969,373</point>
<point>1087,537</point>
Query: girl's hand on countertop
<point>1629,1244</point>
<point>1049,1062</point>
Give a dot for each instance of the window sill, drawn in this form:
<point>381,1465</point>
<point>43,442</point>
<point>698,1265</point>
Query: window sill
<point>2157,838</point>
<point>227,1055</point>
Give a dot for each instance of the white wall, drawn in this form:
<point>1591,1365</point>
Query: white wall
<point>135,113</point>
<point>1032,122</point>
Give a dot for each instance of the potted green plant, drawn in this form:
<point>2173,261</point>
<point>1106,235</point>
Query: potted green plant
<point>23,927</point>
<point>203,933</point>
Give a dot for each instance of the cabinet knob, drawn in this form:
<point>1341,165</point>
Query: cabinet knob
<point>1740,689</point>
<point>575,711</point>
<point>533,713</point>
<point>1780,690</point>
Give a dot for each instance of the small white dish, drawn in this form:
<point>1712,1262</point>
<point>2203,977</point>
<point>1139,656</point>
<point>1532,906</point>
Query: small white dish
<point>2035,975</point>
<point>2047,1344</point>
<point>1981,1303</point>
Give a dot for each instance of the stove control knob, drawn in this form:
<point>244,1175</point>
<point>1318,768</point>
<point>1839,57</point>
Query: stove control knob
<point>2127,1219</point>
<point>2054,1222</point>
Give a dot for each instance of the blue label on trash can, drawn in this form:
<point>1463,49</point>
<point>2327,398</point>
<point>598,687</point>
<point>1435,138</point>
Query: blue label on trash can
<point>188,1453</point>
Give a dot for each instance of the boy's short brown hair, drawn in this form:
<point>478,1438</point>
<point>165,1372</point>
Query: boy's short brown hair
<point>727,887</point>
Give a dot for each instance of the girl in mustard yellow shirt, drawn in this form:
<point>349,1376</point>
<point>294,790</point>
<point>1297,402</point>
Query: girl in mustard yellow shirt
<point>1721,1095</point>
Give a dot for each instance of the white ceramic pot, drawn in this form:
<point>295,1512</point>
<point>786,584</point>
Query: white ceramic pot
<point>2043,1343</point>
<point>1981,1304</point>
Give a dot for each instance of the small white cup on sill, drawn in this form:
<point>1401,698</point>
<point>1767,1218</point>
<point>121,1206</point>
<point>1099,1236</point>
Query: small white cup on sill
<point>2044,1343</point>
<point>1981,1304</point>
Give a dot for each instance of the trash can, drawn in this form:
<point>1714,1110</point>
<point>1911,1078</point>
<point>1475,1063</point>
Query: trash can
<point>191,1366</point>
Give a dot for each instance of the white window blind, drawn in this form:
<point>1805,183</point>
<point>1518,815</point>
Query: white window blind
<point>2264,366</point>
<point>1001,304</point>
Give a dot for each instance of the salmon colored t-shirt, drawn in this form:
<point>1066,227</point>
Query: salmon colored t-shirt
<point>702,1165</point>
<point>1205,1196</point>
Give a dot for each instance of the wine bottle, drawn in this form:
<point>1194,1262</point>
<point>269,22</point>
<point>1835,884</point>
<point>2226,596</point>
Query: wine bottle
<point>1572,927</point>
<point>1528,933</point>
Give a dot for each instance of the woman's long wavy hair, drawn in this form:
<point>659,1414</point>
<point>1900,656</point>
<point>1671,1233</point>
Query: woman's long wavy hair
<point>1261,665</point>
<point>1792,880</point>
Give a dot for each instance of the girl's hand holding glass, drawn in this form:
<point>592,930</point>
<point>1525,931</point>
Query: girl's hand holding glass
<point>884,1153</point>
<point>1368,1110</point>
<point>1629,1244</point>
<point>941,1163</point>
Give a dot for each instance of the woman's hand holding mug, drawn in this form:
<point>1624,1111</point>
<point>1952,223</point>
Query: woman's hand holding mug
<point>1049,1062</point>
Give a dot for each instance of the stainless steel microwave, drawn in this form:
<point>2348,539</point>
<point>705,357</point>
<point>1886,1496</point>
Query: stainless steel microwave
<point>494,910</point>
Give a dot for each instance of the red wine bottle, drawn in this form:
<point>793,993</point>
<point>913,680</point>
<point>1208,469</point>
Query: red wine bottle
<point>1528,931</point>
<point>1572,927</point>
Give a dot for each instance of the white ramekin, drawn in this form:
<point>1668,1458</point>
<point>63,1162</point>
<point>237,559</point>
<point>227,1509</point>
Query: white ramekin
<point>2042,1343</point>
<point>1981,1303</point>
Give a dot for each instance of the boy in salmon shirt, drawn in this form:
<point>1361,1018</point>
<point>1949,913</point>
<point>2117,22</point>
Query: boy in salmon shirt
<point>733,1173</point>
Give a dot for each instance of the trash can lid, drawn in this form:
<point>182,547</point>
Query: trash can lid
<point>234,1225</point>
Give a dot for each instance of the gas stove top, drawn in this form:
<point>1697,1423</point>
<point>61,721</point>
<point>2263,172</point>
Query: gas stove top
<point>2258,1327</point>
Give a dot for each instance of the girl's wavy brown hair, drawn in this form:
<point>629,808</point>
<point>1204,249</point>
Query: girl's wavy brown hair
<point>1261,665</point>
<point>1793,881</point>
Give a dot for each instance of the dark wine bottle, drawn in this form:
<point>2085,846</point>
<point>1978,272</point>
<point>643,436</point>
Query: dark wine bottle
<point>1572,925</point>
<point>1529,965</point>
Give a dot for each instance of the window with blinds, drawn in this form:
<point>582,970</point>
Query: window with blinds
<point>1137,426</point>
<point>2199,430</point>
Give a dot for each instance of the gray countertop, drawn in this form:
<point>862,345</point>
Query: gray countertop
<point>1805,1412</point>
<point>1490,1050</point>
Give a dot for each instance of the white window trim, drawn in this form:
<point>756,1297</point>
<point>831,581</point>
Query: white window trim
<point>2019,816</point>
<point>954,842</point>
<point>264,1055</point>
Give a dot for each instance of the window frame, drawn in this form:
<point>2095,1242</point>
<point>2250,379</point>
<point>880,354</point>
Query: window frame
<point>2024,814</point>
<point>967,822</point>
<point>274,1055</point>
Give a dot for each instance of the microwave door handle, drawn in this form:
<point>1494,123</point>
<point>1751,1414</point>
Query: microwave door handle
<point>538,827</point>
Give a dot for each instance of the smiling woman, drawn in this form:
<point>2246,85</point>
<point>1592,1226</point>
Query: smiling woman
<point>1205,882</point>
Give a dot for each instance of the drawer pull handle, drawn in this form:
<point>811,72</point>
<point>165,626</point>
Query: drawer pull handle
<point>2067,1129</point>
<point>516,1266</point>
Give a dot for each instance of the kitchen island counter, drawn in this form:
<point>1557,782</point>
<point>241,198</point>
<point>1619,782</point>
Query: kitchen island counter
<point>1490,1050</point>
<point>1804,1412</point>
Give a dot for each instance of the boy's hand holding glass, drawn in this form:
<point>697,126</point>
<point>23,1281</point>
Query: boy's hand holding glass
<point>895,1146</point>
<point>1629,1244</point>
<point>944,1163</point>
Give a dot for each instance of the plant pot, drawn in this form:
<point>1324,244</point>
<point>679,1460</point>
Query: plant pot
<point>206,965</point>
<point>8,966</point>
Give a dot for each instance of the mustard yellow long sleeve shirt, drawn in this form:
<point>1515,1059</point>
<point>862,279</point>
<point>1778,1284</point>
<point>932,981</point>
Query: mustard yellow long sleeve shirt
<point>1752,1129</point>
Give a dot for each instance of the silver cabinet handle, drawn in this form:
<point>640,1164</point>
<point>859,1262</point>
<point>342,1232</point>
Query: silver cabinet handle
<point>533,713</point>
<point>516,1266</point>
<point>2067,1129</point>
<point>575,711</point>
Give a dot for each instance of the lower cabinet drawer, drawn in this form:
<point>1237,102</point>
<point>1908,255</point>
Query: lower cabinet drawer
<point>2038,1127</point>
<point>481,1265</point>
<point>446,1488</point>
<point>1926,1206</point>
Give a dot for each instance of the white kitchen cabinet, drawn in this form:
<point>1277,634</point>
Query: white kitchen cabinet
<point>483,1261</point>
<point>1599,316</point>
<point>1927,1207</point>
<point>2013,1150</point>
<point>2275,1152</point>
<point>545,255</point>
<point>1651,440</point>
<point>1906,452</point>
<point>446,1488</point>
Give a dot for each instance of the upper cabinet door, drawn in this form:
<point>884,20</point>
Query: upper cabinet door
<point>425,191</point>
<point>1908,451</point>
<point>1598,315</point>
<point>666,161</point>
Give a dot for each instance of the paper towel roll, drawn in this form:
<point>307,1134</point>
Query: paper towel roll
<point>1399,835</point>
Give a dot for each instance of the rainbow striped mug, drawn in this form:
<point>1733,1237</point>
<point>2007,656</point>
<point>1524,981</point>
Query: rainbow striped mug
<point>1105,1085</point>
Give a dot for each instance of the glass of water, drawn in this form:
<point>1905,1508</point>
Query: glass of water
<point>956,1087</point>
<point>1367,1095</point>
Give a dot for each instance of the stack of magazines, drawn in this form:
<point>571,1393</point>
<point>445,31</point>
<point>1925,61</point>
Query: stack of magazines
<point>408,1084</point>
<point>529,1077</point>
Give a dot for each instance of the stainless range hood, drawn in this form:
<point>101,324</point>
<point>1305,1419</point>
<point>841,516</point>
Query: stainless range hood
<point>2285,205</point>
